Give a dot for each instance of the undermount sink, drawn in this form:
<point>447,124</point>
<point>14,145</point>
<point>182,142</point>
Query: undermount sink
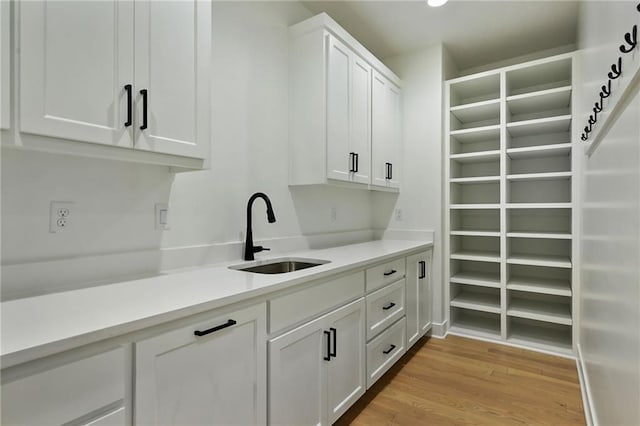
<point>278,266</point>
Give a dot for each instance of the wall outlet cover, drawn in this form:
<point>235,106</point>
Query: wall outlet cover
<point>60,216</point>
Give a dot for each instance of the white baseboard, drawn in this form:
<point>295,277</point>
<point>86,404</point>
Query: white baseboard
<point>587,397</point>
<point>439,330</point>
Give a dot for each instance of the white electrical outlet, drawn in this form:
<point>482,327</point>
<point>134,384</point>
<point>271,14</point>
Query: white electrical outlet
<point>399,215</point>
<point>60,216</point>
<point>162,217</point>
<point>334,214</point>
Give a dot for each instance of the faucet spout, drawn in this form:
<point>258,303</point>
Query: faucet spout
<point>249,248</point>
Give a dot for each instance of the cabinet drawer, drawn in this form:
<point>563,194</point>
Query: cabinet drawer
<point>292,308</point>
<point>381,275</point>
<point>385,350</point>
<point>384,307</point>
<point>66,393</point>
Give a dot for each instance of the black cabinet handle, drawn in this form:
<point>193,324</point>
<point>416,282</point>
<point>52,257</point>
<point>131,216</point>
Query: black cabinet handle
<point>389,306</point>
<point>388,351</point>
<point>423,269</point>
<point>352,161</point>
<point>129,90</point>
<point>357,157</point>
<point>143,92</point>
<point>335,342</point>
<point>391,272</point>
<point>328,357</point>
<point>389,175</point>
<point>216,328</point>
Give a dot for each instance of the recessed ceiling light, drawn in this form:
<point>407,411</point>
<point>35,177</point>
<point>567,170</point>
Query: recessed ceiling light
<point>436,3</point>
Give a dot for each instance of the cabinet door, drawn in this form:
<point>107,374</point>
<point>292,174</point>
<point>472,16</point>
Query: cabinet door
<point>338,110</point>
<point>173,65</point>
<point>5,64</point>
<point>418,309</point>
<point>346,379</point>
<point>425,292</point>
<point>385,133</point>
<point>218,378</point>
<point>360,119</point>
<point>297,375</point>
<point>75,60</point>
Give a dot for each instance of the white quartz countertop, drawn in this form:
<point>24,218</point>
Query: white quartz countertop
<point>39,326</point>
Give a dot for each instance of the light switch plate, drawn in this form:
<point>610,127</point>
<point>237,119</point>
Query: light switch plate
<point>162,217</point>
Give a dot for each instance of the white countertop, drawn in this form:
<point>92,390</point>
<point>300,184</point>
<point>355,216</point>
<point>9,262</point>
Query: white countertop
<point>39,326</point>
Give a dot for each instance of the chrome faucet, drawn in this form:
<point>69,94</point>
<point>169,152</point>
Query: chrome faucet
<point>249,249</point>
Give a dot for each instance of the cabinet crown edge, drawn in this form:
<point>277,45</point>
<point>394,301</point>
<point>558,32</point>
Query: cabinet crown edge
<point>323,21</point>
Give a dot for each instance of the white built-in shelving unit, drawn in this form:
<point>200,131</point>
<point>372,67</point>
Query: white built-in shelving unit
<point>510,223</point>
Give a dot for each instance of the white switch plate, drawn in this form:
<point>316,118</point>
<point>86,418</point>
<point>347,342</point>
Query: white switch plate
<point>60,216</point>
<point>162,217</point>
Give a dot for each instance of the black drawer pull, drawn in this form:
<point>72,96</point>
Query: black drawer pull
<point>335,342</point>
<point>328,334</point>
<point>423,269</point>
<point>129,88</point>
<point>389,306</point>
<point>144,95</point>
<point>388,351</point>
<point>216,328</point>
<point>391,272</point>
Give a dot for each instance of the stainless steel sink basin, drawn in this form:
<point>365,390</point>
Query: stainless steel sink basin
<point>279,266</point>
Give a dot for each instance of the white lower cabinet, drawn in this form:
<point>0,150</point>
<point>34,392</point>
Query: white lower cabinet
<point>385,350</point>
<point>418,307</point>
<point>212,372</point>
<point>88,391</point>
<point>317,371</point>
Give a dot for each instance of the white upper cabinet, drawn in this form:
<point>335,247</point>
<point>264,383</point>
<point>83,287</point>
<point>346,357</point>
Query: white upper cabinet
<point>75,60</point>
<point>331,121</point>
<point>117,73</point>
<point>348,114</point>
<point>172,56</point>
<point>5,66</point>
<point>386,138</point>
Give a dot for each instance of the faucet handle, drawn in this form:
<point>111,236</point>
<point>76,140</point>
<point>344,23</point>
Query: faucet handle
<point>258,249</point>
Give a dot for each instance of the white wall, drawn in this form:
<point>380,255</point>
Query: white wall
<point>113,216</point>
<point>420,199</point>
<point>609,294</point>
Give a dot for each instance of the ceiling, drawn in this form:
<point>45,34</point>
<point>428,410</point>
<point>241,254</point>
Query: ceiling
<point>475,32</point>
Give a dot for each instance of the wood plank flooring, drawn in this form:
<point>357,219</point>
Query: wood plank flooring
<point>458,381</point>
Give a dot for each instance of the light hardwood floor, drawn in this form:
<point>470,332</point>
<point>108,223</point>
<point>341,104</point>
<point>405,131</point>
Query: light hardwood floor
<point>458,381</point>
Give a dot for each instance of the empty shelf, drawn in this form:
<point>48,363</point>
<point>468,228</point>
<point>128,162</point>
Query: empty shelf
<point>540,126</point>
<point>482,302</point>
<point>481,256</point>
<point>476,157</point>
<point>476,134</point>
<point>540,260</point>
<point>539,176</point>
<point>548,235</point>
<point>476,179</point>
<point>540,285</point>
<point>478,111</point>
<point>473,206</point>
<point>550,339</point>
<point>557,313</point>
<point>470,323</point>
<point>476,233</point>
<point>539,205</point>
<point>540,151</point>
<point>481,279</point>
<point>544,100</point>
